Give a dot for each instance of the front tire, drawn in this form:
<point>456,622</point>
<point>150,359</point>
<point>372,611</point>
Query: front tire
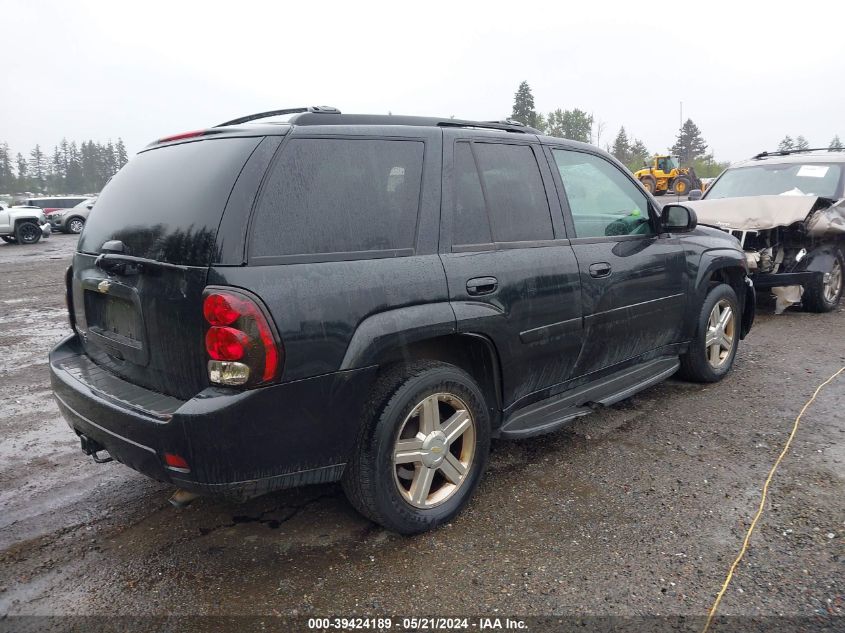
<point>681,185</point>
<point>649,183</point>
<point>422,449</point>
<point>824,296</point>
<point>27,233</point>
<point>75,225</point>
<point>713,349</point>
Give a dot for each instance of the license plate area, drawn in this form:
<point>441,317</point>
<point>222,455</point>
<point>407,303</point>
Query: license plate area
<point>115,321</point>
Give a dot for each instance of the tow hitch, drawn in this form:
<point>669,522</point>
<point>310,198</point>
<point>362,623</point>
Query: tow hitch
<point>92,447</point>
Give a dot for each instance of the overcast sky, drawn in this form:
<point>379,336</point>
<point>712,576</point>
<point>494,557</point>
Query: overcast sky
<point>747,72</point>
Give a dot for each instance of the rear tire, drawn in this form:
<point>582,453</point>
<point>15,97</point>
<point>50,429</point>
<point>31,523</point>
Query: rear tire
<point>713,348</point>
<point>824,296</point>
<point>27,232</point>
<point>422,448</point>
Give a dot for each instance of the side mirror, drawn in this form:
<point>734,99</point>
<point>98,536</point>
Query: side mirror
<point>676,218</point>
<point>694,194</point>
<point>91,206</point>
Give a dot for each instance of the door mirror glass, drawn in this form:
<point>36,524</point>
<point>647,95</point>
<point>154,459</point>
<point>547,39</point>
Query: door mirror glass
<point>694,194</point>
<point>677,218</point>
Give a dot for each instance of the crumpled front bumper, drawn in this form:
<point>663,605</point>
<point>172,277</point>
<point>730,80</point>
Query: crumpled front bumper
<point>46,230</point>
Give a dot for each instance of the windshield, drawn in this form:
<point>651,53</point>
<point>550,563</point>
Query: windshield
<point>797,179</point>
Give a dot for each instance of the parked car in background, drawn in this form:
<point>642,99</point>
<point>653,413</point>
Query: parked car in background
<point>72,220</point>
<point>787,209</point>
<point>52,204</point>
<point>23,225</point>
<point>372,299</point>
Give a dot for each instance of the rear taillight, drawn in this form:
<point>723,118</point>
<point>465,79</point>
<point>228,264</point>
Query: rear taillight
<point>241,343</point>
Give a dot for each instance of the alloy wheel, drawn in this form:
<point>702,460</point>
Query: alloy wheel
<point>721,329</point>
<point>29,233</point>
<point>434,450</point>
<point>76,226</point>
<point>833,282</point>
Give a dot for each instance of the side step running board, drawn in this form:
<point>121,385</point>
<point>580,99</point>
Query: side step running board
<point>551,414</point>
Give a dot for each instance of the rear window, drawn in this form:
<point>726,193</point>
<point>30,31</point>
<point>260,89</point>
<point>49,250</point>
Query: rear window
<point>340,196</point>
<point>166,203</point>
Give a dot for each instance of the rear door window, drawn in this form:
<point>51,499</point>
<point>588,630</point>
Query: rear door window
<point>514,193</point>
<point>340,196</point>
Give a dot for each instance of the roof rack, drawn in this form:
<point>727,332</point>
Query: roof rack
<point>312,118</point>
<point>787,152</point>
<point>272,113</point>
<point>317,115</point>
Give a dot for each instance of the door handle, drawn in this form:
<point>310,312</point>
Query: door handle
<point>600,269</point>
<point>482,286</point>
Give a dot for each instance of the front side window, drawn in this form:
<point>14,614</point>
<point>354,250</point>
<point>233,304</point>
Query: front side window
<point>603,202</point>
<point>340,196</point>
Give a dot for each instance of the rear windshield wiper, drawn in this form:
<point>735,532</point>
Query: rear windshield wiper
<point>126,265</point>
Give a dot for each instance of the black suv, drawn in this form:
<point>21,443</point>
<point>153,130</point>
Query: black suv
<point>372,299</point>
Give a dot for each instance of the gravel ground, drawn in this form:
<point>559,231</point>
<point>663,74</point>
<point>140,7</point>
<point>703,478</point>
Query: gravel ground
<point>638,509</point>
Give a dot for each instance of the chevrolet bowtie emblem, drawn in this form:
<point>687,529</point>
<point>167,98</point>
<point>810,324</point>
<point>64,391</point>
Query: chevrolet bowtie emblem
<point>436,449</point>
<point>104,286</point>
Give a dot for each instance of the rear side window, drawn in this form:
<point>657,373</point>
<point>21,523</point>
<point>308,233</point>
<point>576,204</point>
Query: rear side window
<point>340,196</point>
<point>514,193</point>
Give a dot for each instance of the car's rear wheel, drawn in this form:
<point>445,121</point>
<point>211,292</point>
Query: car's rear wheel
<point>8,239</point>
<point>27,233</point>
<point>713,349</point>
<point>422,450</point>
<point>75,225</point>
<point>824,295</point>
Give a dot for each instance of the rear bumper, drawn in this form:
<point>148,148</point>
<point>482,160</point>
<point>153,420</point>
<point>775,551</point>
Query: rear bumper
<point>237,443</point>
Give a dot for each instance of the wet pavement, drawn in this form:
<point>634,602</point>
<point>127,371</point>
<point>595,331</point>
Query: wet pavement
<point>636,509</point>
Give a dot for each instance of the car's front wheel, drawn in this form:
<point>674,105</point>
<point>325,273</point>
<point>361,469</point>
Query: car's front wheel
<point>27,233</point>
<point>75,225</point>
<point>422,449</point>
<point>824,295</point>
<point>713,349</point>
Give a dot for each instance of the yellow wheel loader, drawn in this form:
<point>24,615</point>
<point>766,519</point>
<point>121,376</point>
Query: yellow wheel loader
<point>664,174</point>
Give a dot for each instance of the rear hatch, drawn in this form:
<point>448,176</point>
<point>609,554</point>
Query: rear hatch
<point>143,260</point>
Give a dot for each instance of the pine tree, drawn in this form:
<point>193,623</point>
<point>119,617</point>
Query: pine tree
<point>23,172</point>
<point>523,106</point>
<point>786,144</point>
<point>621,147</point>
<point>801,143</point>
<point>120,150</point>
<point>57,172</point>
<point>689,144</point>
<point>7,175</point>
<point>38,168</point>
<point>74,180</point>
<point>836,143</point>
<point>639,155</point>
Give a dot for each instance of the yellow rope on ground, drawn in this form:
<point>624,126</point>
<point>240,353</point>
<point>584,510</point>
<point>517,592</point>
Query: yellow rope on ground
<point>763,502</point>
